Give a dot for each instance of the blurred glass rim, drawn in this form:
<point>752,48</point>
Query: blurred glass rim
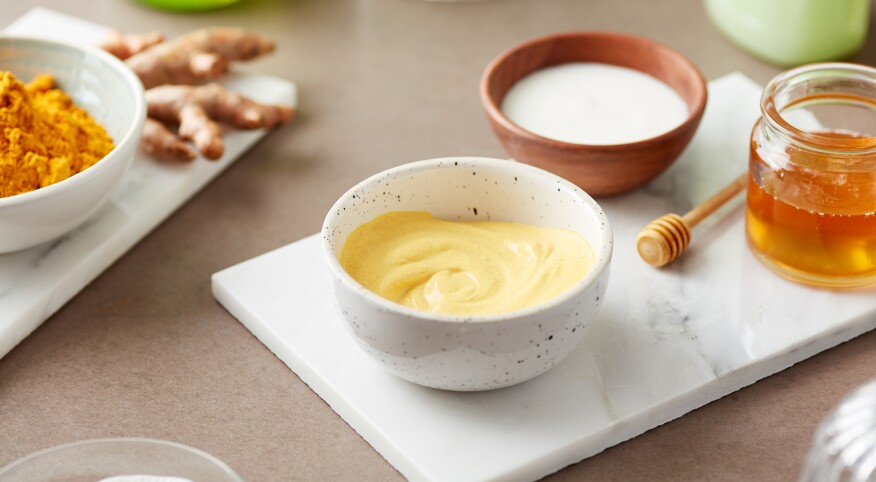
<point>114,442</point>
<point>843,447</point>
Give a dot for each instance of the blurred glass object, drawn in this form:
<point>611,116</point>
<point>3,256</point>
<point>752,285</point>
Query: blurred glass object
<point>844,446</point>
<point>188,5</point>
<point>793,32</point>
<point>133,459</point>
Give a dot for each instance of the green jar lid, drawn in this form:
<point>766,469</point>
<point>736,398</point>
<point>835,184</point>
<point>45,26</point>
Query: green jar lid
<point>188,5</point>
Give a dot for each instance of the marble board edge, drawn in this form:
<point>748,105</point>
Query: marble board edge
<point>594,444</point>
<point>243,313</point>
<point>704,394</point>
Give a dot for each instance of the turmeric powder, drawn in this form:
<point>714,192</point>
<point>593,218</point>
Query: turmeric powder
<point>44,137</point>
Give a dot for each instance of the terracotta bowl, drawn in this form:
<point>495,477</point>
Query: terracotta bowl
<point>601,170</point>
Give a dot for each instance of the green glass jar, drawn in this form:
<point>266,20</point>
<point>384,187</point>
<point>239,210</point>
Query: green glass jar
<point>793,32</point>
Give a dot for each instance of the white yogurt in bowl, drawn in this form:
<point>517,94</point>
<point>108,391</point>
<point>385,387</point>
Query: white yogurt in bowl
<point>594,103</point>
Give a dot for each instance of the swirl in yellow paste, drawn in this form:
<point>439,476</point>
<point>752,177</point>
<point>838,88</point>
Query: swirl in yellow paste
<point>468,267</point>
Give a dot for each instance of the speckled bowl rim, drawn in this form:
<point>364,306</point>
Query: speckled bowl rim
<point>495,111</point>
<point>132,134</point>
<point>606,241</point>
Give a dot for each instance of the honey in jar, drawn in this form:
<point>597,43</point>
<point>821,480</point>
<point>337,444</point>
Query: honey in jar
<point>811,210</point>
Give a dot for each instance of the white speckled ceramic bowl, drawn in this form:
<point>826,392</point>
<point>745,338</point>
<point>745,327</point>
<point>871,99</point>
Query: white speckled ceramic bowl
<point>113,95</point>
<point>482,352</point>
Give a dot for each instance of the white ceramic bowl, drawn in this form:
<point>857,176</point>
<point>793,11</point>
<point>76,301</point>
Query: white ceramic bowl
<point>482,352</point>
<point>113,95</point>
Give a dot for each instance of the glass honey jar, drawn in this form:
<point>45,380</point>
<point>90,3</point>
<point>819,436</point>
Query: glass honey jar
<point>811,208</point>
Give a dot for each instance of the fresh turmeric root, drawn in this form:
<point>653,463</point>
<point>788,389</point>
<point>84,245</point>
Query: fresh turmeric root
<point>125,45</point>
<point>197,109</point>
<point>160,142</point>
<point>196,57</point>
<point>192,59</point>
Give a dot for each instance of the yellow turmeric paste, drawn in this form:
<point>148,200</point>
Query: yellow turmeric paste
<point>464,267</point>
<point>45,138</point>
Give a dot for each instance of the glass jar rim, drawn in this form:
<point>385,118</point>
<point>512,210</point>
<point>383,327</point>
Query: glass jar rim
<point>813,140</point>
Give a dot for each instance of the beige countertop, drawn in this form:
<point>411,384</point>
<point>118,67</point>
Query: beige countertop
<point>145,351</point>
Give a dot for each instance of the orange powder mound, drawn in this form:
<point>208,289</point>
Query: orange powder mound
<point>44,137</point>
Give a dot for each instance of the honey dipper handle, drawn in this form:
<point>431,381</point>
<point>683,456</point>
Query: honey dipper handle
<point>665,238</point>
<point>697,214</point>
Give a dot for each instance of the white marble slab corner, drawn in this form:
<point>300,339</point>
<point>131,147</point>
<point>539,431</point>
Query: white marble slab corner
<point>37,282</point>
<point>666,341</point>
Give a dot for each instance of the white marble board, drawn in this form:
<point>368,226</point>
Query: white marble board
<point>37,282</point>
<point>665,342</point>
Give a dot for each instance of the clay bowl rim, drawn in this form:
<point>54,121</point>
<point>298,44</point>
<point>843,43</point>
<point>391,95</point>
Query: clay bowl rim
<point>495,113</point>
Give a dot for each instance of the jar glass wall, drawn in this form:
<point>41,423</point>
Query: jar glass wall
<point>811,213</point>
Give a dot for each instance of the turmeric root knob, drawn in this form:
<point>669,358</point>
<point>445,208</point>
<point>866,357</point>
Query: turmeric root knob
<point>198,56</point>
<point>197,109</point>
<point>226,106</point>
<point>125,45</point>
<point>158,141</point>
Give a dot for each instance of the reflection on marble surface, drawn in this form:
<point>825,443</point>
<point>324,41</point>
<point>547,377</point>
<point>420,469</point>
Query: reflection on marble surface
<point>665,342</point>
<point>36,282</point>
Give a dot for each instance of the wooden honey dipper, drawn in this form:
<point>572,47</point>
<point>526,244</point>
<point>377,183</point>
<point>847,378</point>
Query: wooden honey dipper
<point>665,238</point>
